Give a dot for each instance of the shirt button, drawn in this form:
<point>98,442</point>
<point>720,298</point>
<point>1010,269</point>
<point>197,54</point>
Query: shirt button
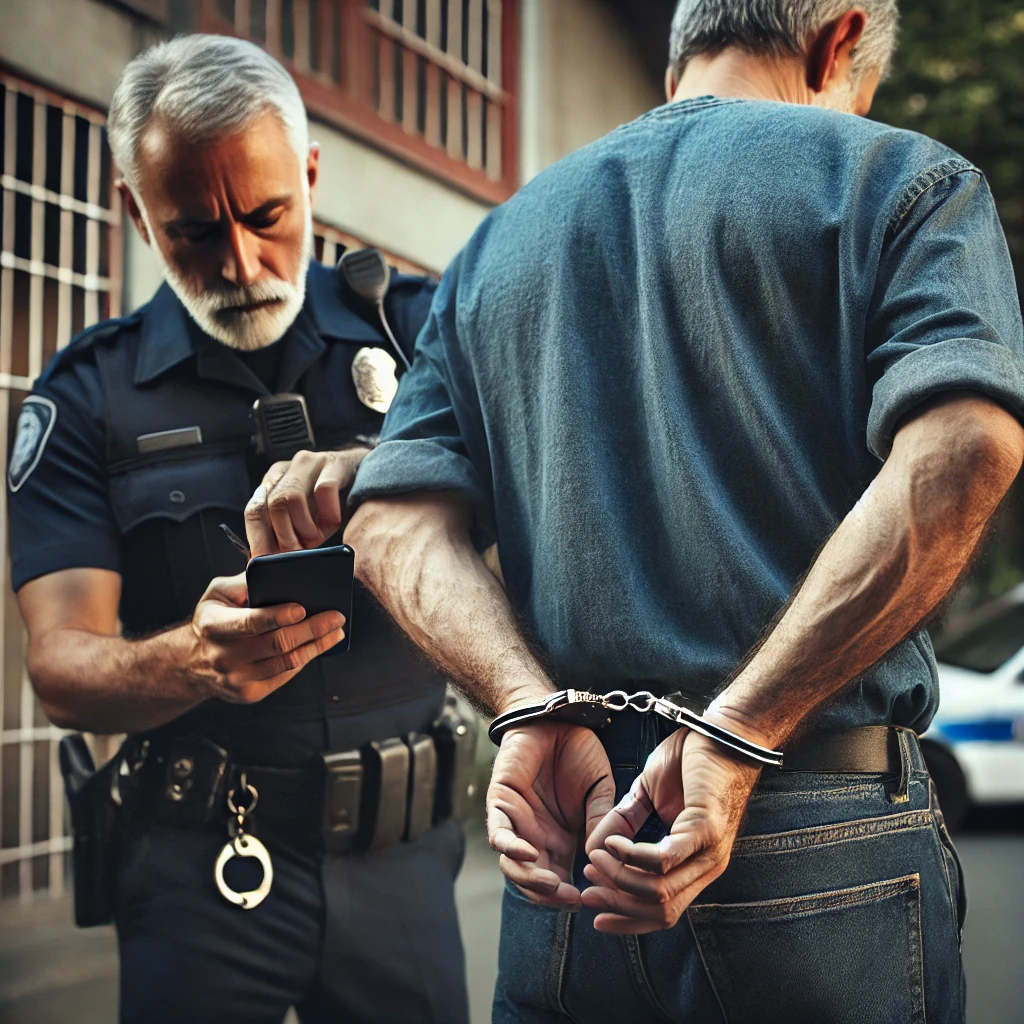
<point>335,698</point>
<point>177,497</point>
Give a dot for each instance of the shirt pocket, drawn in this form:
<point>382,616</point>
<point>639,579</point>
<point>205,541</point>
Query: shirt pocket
<point>848,954</point>
<point>178,489</point>
<point>169,513</point>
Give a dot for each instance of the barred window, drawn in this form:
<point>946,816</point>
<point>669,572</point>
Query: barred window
<point>60,271</point>
<point>433,81</point>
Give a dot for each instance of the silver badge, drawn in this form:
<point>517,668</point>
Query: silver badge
<point>35,422</point>
<point>375,378</point>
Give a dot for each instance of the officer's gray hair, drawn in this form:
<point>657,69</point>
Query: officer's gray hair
<point>779,28</point>
<point>203,86</point>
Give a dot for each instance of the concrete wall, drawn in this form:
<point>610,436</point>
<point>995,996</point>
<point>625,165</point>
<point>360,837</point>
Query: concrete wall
<point>578,80</point>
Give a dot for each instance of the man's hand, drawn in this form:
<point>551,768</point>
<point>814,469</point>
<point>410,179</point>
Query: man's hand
<point>242,654</point>
<point>300,503</point>
<point>550,786</point>
<point>692,783</point>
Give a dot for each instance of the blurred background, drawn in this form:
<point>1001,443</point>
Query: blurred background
<point>428,113</point>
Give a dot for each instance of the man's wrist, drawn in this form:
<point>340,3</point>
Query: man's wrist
<point>529,690</point>
<point>739,720</point>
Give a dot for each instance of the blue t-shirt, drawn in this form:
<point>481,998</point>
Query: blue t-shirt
<point>667,368</point>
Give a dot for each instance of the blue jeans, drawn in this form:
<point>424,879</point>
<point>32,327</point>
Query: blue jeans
<point>843,902</point>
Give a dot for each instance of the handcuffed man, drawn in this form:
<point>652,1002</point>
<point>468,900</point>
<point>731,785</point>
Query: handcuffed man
<point>736,390</point>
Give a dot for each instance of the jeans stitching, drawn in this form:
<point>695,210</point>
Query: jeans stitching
<point>559,959</point>
<point>828,835</point>
<point>638,973</point>
<point>908,887</point>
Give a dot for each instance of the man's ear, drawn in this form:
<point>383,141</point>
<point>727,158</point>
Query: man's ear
<point>831,54</point>
<point>133,210</point>
<point>313,167</point>
<point>671,82</point>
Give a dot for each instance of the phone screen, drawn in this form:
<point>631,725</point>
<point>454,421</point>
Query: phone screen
<point>320,580</point>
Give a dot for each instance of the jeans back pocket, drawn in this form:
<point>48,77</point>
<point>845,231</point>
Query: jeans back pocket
<point>848,955</point>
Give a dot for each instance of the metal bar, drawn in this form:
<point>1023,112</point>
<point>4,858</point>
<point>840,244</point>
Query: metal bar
<point>456,68</point>
<point>92,227</point>
<point>15,382</point>
<point>474,100</point>
<point>432,101</point>
<point>26,776</point>
<point>300,20</point>
<point>7,242</point>
<point>273,27</point>
<point>56,874</point>
<point>88,283</point>
<point>13,853</point>
<point>35,286</point>
<point>410,83</point>
<point>65,258</point>
<point>37,732</point>
<point>451,61</point>
<point>494,15</point>
<point>66,202</point>
<point>243,21</point>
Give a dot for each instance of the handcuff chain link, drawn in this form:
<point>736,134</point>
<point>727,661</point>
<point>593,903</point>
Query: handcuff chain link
<point>642,701</point>
<point>241,813</point>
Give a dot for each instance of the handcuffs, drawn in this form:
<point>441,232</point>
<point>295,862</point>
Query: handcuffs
<point>243,844</point>
<point>593,710</point>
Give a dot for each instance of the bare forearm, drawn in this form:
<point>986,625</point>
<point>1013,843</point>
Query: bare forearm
<point>890,563</point>
<point>107,684</point>
<point>415,556</point>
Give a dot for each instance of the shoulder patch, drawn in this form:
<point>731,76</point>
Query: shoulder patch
<point>35,424</point>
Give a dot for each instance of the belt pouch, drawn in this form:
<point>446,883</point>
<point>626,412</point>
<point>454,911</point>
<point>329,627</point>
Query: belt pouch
<point>94,824</point>
<point>192,792</point>
<point>422,784</point>
<point>455,739</point>
<point>386,791</point>
<point>343,787</point>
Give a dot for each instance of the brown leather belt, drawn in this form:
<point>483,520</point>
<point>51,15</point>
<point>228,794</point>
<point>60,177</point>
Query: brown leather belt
<point>868,749</point>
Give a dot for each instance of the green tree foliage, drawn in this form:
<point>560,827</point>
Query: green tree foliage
<point>959,77</point>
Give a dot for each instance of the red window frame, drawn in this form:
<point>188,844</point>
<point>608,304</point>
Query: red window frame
<point>350,104</point>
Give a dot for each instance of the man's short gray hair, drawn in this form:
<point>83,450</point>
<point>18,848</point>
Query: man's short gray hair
<point>204,86</point>
<point>779,28</point>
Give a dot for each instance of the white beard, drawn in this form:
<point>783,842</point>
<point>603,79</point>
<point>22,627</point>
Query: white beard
<point>243,330</point>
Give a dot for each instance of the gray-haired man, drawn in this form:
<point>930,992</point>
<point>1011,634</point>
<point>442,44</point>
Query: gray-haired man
<point>135,447</point>
<point>749,367</point>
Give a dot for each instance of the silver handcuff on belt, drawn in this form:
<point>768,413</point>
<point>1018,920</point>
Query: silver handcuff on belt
<point>593,710</point>
<point>243,844</point>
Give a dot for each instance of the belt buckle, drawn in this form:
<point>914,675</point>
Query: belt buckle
<point>343,789</point>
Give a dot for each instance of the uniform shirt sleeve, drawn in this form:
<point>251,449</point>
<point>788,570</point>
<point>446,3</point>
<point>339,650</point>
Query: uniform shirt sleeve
<point>945,315</point>
<point>432,440</point>
<point>408,306</point>
<point>60,513</point>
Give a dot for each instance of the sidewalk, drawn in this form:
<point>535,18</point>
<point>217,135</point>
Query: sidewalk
<point>54,973</point>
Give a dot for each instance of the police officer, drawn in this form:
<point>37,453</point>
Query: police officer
<point>135,446</point>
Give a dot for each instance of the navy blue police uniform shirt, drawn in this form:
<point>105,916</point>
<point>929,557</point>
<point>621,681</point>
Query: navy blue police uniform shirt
<point>83,495</point>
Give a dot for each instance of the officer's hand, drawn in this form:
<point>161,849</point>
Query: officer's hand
<point>703,791</point>
<point>550,786</point>
<point>242,654</point>
<point>300,503</point>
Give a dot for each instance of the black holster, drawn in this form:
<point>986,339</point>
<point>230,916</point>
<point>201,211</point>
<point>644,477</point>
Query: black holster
<point>94,821</point>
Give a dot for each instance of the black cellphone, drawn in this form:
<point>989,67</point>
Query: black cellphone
<point>320,580</point>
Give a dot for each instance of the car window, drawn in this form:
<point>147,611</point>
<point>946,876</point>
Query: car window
<point>988,645</point>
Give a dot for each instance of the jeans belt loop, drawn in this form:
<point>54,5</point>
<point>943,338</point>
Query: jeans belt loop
<point>901,794</point>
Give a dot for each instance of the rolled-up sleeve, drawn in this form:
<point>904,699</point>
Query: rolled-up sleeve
<point>945,315</point>
<point>433,424</point>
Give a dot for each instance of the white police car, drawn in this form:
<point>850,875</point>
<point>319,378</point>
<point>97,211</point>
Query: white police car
<point>975,745</point>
